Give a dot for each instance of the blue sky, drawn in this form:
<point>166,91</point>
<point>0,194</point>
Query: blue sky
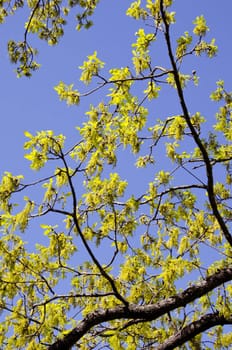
<point>32,104</point>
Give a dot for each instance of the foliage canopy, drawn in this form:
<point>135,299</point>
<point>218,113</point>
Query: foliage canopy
<point>118,264</point>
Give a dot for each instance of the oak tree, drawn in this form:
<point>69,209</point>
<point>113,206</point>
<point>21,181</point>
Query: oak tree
<point>121,264</point>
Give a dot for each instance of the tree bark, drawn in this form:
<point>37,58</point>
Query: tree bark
<point>191,330</point>
<point>149,312</point>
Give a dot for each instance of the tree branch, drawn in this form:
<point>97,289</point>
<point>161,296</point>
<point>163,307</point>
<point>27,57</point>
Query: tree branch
<point>208,165</point>
<point>191,330</point>
<point>84,241</point>
<point>147,312</point>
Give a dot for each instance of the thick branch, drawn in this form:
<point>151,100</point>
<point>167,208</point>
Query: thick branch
<point>147,312</point>
<point>208,165</point>
<point>191,330</point>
